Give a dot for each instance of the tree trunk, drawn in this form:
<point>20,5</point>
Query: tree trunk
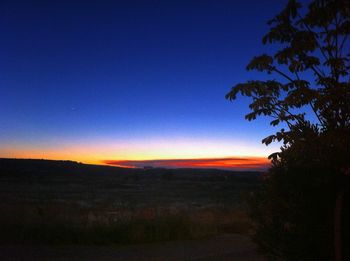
<point>338,209</point>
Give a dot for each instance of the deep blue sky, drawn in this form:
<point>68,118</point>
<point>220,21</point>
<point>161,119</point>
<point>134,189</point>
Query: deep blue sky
<point>129,75</point>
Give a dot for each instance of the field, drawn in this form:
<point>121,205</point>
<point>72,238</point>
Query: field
<point>63,202</point>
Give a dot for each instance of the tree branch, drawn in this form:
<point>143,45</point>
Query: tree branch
<point>273,68</point>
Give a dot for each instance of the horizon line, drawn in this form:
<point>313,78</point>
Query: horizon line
<point>226,163</point>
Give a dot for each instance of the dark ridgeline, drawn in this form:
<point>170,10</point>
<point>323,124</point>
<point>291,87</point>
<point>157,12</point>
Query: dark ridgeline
<point>62,167</point>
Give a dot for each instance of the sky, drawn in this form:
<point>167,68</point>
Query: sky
<point>108,81</point>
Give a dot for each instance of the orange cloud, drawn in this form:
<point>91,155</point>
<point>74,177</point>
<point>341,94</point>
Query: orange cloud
<point>232,163</point>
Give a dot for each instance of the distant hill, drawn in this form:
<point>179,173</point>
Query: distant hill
<point>52,166</point>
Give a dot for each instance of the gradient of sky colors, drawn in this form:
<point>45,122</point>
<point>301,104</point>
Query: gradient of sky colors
<point>129,80</point>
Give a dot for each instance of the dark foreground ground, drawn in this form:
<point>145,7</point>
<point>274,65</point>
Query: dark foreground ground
<point>62,210</point>
<point>224,247</point>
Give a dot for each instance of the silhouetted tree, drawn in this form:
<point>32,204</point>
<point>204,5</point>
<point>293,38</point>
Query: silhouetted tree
<point>299,212</point>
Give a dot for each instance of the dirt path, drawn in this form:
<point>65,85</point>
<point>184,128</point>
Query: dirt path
<point>224,247</point>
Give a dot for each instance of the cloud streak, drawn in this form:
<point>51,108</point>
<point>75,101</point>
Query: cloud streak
<point>231,163</point>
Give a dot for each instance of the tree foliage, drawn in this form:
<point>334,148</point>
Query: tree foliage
<point>308,95</point>
<point>316,43</point>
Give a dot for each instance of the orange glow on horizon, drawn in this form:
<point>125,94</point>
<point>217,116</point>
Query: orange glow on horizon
<point>169,153</point>
<point>231,163</point>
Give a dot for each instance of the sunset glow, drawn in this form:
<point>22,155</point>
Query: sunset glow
<point>247,163</point>
<point>179,153</point>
